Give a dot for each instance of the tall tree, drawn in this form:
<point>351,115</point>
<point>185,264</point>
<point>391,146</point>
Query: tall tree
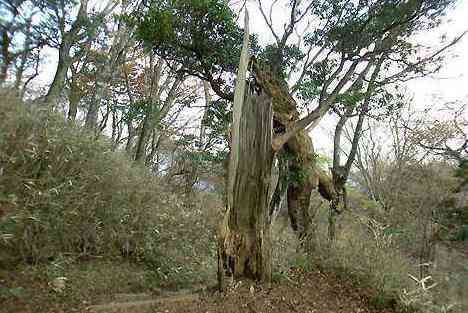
<point>350,42</point>
<point>19,38</point>
<point>84,28</point>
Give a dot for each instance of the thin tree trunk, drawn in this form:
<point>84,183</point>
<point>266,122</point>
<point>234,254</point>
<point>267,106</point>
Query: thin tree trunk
<point>116,52</point>
<point>131,136</point>
<point>65,60</point>
<point>74,99</point>
<point>140,154</point>
<point>154,147</point>
<point>6,56</point>
<point>93,111</point>
<point>24,56</point>
<point>206,89</point>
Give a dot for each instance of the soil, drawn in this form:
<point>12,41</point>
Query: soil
<point>301,292</point>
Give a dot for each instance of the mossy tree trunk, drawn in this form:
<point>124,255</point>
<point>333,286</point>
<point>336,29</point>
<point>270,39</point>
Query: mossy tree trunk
<point>303,171</point>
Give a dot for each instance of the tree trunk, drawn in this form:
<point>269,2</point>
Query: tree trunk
<point>140,154</point>
<point>92,115</point>
<point>58,83</point>
<point>244,246</point>
<point>299,149</point>
<point>6,56</point>
<point>245,243</point>
<point>24,55</point>
<point>130,139</point>
<point>279,186</point>
<point>74,99</point>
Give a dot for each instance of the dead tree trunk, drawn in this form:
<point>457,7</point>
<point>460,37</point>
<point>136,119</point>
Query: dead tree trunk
<point>245,247</point>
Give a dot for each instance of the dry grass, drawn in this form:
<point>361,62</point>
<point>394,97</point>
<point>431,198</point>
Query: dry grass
<point>66,194</point>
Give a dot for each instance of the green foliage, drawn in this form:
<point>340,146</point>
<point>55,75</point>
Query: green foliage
<point>219,116</point>
<point>462,234</point>
<point>363,252</point>
<point>350,98</point>
<point>462,172</point>
<point>17,292</point>
<point>138,109</point>
<point>362,203</point>
<point>281,60</point>
<point>297,176</point>
<point>201,35</point>
<point>309,90</point>
<point>302,262</point>
<point>382,301</point>
<point>358,25</point>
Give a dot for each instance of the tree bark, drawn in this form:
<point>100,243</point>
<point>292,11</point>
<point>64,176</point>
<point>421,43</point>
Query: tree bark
<point>58,83</point>
<point>245,244</point>
<point>6,56</point>
<point>130,139</point>
<point>74,99</point>
<point>92,114</point>
<point>140,154</point>
<point>299,147</point>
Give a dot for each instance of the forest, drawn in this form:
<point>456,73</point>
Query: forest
<point>233,156</point>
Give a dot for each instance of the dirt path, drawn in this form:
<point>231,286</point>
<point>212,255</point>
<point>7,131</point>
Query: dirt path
<point>143,303</point>
<point>308,293</point>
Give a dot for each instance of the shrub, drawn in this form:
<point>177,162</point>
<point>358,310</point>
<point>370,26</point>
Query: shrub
<point>65,192</point>
<point>367,251</point>
<point>462,234</point>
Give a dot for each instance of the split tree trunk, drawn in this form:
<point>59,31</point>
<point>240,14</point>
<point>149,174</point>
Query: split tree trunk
<point>244,246</point>
<point>245,243</point>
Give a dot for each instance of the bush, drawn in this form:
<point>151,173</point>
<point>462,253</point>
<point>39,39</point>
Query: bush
<point>367,251</point>
<point>65,192</point>
<point>462,234</point>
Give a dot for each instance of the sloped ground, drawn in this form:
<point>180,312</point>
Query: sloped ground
<point>452,274</point>
<point>302,292</point>
<point>137,303</point>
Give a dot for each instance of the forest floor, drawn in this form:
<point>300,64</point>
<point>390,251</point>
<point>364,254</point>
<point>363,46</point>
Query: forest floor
<point>302,292</point>
<point>308,293</point>
<point>296,291</point>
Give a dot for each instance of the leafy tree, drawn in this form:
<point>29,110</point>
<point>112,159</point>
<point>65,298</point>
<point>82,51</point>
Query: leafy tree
<point>20,40</point>
<point>342,65</point>
<point>72,33</point>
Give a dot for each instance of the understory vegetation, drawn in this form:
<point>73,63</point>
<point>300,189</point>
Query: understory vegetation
<point>72,207</point>
<point>65,196</point>
<point>230,151</point>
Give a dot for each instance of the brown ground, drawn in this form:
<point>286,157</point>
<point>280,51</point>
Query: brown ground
<point>305,293</point>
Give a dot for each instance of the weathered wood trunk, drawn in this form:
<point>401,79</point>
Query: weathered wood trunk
<point>245,243</point>
<point>299,148</point>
